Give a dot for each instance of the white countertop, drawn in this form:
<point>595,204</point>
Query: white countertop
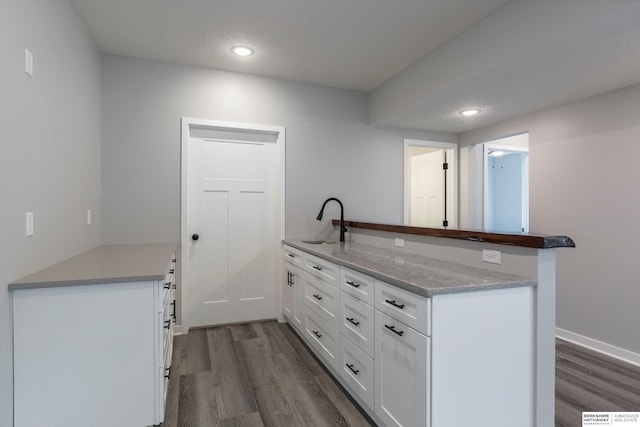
<point>104,264</point>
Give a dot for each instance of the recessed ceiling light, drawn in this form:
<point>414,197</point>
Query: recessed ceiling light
<point>496,153</point>
<point>242,50</point>
<point>470,112</point>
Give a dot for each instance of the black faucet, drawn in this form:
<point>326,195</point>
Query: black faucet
<point>342,227</point>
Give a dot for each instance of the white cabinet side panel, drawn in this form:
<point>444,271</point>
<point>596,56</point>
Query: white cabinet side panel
<point>84,355</point>
<point>482,358</point>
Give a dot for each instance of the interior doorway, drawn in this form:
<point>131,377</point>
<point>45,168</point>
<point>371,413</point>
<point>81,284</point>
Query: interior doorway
<point>506,184</point>
<point>430,183</point>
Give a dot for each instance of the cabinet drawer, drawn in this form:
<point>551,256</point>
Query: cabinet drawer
<point>357,284</point>
<point>293,255</point>
<point>322,269</point>
<point>356,369</point>
<point>356,322</point>
<point>322,298</point>
<point>407,307</point>
<point>323,338</point>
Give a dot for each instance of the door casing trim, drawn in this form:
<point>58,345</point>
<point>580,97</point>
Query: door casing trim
<point>187,123</point>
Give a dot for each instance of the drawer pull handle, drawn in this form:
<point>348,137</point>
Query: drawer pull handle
<point>173,260</point>
<point>291,255</point>
<point>167,285</point>
<point>350,319</point>
<point>316,296</point>
<point>394,303</point>
<point>173,303</point>
<point>289,281</point>
<point>317,267</point>
<point>167,324</point>
<point>167,375</point>
<point>355,371</point>
<point>393,329</point>
<point>171,271</point>
<point>316,333</point>
<point>354,284</point>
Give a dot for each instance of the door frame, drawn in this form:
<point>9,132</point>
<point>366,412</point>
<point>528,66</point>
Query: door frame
<point>187,124</point>
<point>452,183</point>
<point>487,147</point>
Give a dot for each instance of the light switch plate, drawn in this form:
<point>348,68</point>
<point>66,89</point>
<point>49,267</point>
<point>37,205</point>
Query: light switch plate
<point>28,62</point>
<point>29,224</point>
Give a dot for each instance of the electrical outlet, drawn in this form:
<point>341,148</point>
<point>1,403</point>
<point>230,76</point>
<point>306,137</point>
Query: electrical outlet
<point>493,257</point>
<point>400,243</point>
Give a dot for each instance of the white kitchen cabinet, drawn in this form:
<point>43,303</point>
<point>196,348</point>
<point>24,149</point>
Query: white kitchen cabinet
<point>357,370</point>
<point>356,322</point>
<point>93,339</point>
<point>402,366</point>
<point>324,338</point>
<point>293,293</point>
<point>419,359</point>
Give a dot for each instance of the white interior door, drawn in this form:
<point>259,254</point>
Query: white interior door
<point>427,189</point>
<point>233,210</point>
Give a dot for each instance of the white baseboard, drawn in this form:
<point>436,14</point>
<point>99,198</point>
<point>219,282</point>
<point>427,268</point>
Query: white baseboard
<point>599,346</point>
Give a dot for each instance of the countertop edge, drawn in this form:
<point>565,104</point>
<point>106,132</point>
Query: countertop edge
<point>425,292</point>
<point>103,264</point>
<point>82,282</point>
<point>526,240</point>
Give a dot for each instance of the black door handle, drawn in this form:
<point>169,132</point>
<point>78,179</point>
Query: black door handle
<point>194,237</point>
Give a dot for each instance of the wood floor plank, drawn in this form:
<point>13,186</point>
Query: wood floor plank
<point>243,331</point>
<point>193,353</point>
<point>352,415</point>
<point>248,420</point>
<point>272,399</point>
<point>196,408</point>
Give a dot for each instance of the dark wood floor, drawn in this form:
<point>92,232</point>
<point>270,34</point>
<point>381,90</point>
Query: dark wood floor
<point>258,374</point>
<point>261,374</point>
<point>590,381</point>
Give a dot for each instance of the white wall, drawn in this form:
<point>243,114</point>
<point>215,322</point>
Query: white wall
<point>584,179</point>
<point>330,151</point>
<point>49,149</point>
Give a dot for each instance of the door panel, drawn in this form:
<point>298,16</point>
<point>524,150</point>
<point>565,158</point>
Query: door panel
<point>233,204</point>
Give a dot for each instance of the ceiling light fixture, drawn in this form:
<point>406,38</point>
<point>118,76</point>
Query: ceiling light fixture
<point>496,153</point>
<point>470,112</point>
<point>242,50</point>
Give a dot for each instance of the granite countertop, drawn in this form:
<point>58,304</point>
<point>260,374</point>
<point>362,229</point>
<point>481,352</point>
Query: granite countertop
<point>414,273</point>
<point>104,264</point>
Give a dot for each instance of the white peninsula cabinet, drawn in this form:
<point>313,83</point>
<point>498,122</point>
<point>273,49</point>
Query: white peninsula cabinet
<point>420,343</point>
<point>93,339</point>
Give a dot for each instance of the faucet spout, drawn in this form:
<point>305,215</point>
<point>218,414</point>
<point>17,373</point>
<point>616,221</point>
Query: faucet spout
<point>343,229</point>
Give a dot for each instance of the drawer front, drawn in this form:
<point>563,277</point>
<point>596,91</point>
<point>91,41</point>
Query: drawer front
<point>323,338</point>
<point>293,255</point>
<point>357,370</point>
<point>411,309</point>
<point>322,298</point>
<point>322,269</point>
<point>357,284</point>
<point>356,322</point>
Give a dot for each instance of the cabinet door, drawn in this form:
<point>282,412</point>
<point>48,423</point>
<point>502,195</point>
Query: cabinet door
<point>401,373</point>
<point>298,297</point>
<point>288,291</point>
<point>293,295</point>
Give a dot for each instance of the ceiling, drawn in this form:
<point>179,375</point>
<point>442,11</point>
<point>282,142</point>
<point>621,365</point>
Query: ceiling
<point>367,44</point>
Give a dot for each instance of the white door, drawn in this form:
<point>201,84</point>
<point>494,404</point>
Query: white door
<point>232,230</point>
<point>427,189</point>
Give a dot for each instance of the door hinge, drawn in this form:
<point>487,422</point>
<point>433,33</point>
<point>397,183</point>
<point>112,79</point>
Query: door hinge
<point>445,166</point>
<point>445,223</point>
